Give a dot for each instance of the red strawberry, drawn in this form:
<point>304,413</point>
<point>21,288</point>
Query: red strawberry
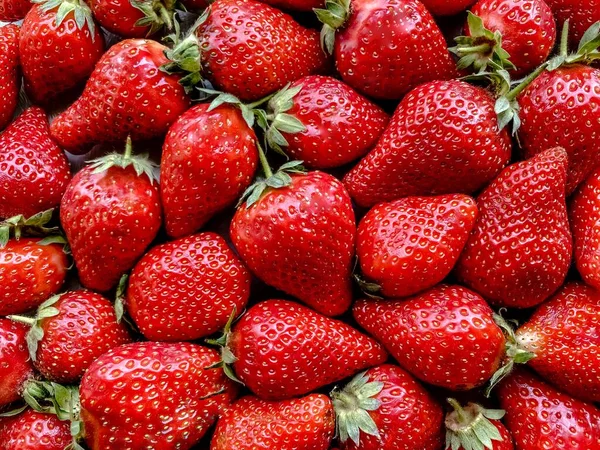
<point>110,213</point>
<point>385,408</point>
<point>299,238</point>
<point>443,138</point>
<point>33,430</point>
<point>447,7</point>
<point>13,10</point>
<point>10,82</point>
<point>134,18</point>
<point>581,14</point>
<point>149,99</point>
<point>209,159</point>
<point>305,350</point>
<point>187,289</point>
<point>296,5</point>
<point>323,122</point>
<point>34,171</point>
<point>69,332</point>
<point>520,250</point>
<point>305,423</point>
<point>412,244</point>
<point>15,365</point>
<point>539,417</point>
<point>152,395</point>
<point>385,48</point>
<point>421,333</point>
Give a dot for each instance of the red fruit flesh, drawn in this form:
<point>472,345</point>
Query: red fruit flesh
<point>582,14</point>
<point>33,430</point>
<point>10,82</point>
<point>13,10</point>
<point>15,364</point>
<point>447,7</point>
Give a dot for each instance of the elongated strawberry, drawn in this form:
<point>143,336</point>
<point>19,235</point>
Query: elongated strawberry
<point>10,82</point>
<point>420,333</point>
<point>34,171</point>
<point>306,350</point>
<point>581,14</point>
<point>150,100</point>
<point>443,138</point>
<point>209,159</point>
<point>187,289</point>
<point>412,244</point>
<point>13,10</point>
<point>32,430</point>
<point>384,48</point>
<point>385,408</point>
<point>15,366</point>
<point>110,213</point>
<point>134,18</point>
<point>520,250</point>
<point>305,423</point>
<point>447,7</point>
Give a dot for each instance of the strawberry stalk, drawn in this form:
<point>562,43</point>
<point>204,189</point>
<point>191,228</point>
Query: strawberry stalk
<point>471,427</point>
<point>157,14</point>
<point>333,16</point>
<point>227,356</point>
<point>34,226</point>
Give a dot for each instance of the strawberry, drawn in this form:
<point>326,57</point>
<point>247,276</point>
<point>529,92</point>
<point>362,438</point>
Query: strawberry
<point>34,171</point>
<point>581,14</point>
<point>10,82</point>
<point>412,244</point>
<point>384,48</point>
<point>447,7</point>
<point>152,395</point>
<point>149,99</point>
<point>306,350</point>
<point>295,5</point>
<point>305,423</point>
<point>385,408</point>
<point>134,18</point>
<point>443,138</point>
<point>15,365</point>
<point>520,249</point>
<point>539,417</point>
<point>110,213</point>
<point>69,332</point>
<point>202,279</point>
<point>13,10</point>
<point>32,430</point>
<point>323,122</point>
<point>421,334</point>
<point>209,159</point>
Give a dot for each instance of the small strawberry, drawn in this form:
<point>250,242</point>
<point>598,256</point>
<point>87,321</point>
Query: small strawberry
<point>443,138</point>
<point>110,213</point>
<point>134,18</point>
<point>187,289</point>
<point>520,250</point>
<point>412,244</point>
<point>69,332</point>
<point>581,14</point>
<point>209,159</point>
<point>421,333</point>
<point>34,171</point>
<point>384,48</point>
<point>10,81</point>
<point>32,430</point>
<point>13,10</point>
<point>15,366</point>
<point>447,7</point>
<point>305,423</point>
<point>305,350</point>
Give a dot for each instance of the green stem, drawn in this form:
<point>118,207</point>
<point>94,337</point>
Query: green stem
<point>460,412</point>
<point>481,48</point>
<point>513,94</point>
<point>261,101</point>
<point>22,319</point>
<point>128,148</point>
<point>263,161</point>
<point>564,39</point>
<point>165,15</point>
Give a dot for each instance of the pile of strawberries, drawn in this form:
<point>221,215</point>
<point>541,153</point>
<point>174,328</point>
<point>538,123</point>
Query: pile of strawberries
<point>227,231</point>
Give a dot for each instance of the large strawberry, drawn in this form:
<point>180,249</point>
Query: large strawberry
<point>520,250</point>
<point>421,334</point>
<point>34,171</point>
<point>110,213</point>
<point>280,349</point>
<point>209,159</point>
<point>447,7</point>
<point>32,430</point>
<point>134,18</point>
<point>443,138</point>
<point>126,94</point>
<point>15,366</point>
<point>412,244</point>
<point>384,48</point>
<point>581,14</point>
<point>187,289</point>
<point>305,423</point>
<point>13,10</point>
<point>10,82</point>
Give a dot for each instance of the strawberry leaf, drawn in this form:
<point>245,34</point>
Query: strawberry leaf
<point>469,428</point>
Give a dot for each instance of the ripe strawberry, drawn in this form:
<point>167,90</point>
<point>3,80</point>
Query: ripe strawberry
<point>299,238</point>
<point>187,289</point>
<point>385,408</point>
<point>305,423</point>
<point>539,417</point>
<point>69,332</point>
<point>15,365</point>
<point>412,244</point>
<point>149,99</point>
<point>152,395</point>
<point>323,122</point>
<point>384,48</point>
<point>110,213</point>
<point>520,250</point>
<point>34,171</point>
<point>306,350</point>
<point>13,10</point>
<point>134,18</point>
<point>295,5</point>
<point>10,82</point>
<point>581,14</point>
<point>32,430</point>
<point>443,138</point>
<point>421,334</point>
<point>447,7</point>
<point>209,159</point>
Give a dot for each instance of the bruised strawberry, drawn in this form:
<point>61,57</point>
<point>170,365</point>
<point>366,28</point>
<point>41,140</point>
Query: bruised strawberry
<point>15,365</point>
<point>134,18</point>
<point>32,430</point>
<point>10,81</point>
<point>13,10</point>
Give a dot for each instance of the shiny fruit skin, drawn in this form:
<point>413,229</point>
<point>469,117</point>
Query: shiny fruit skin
<point>10,81</point>
<point>447,7</point>
<point>33,430</point>
<point>119,17</point>
<point>15,364</point>
<point>13,10</point>
<point>582,14</point>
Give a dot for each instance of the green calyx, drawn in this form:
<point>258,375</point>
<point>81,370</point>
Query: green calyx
<point>587,52</point>
<point>81,13</point>
<point>248,111</point>
<point>34,226</point>
<point>333,16</point>
<point>470,428</point>
<point>158,14</point>
<point>227,356</point>
<point>352,405</point>
<point>371,290</point>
